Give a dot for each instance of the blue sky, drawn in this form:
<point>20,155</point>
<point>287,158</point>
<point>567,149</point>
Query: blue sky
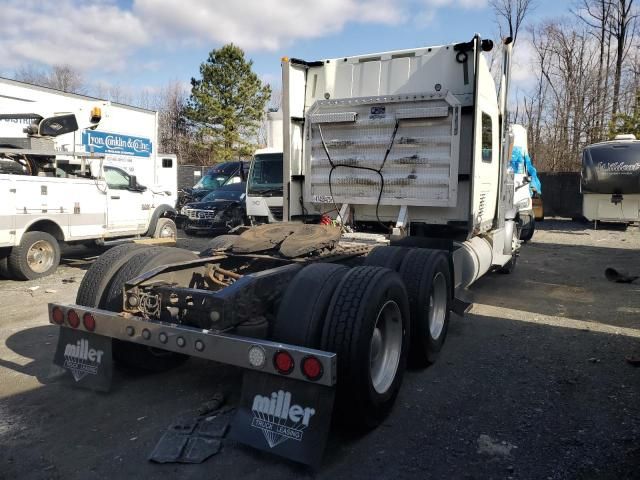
<point>138,44</point>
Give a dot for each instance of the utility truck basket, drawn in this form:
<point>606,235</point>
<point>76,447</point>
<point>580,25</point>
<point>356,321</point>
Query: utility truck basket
<point>412,140</point>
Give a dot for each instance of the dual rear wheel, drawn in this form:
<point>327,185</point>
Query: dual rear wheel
<point>102,287</point>
<point>375,317</point>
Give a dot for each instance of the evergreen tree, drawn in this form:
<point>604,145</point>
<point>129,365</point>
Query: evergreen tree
<point>227,103</point>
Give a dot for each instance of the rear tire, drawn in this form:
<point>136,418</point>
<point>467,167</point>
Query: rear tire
<point>526,233</point>
<point>37,255</point>
<point>427,276</point>
<point>166,228</point>
<point>96,281</point>
<point>134,355</point>
<point>387,257</point>
<point>367,325</point>
<point>304,305</point>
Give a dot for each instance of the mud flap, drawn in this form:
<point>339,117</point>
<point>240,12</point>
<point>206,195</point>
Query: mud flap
<point>283,416</point>
<point>86,357</point>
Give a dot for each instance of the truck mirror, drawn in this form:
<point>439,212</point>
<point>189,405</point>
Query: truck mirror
<point>59,125</point>
<point>94,168</point>
<point>134,185</point>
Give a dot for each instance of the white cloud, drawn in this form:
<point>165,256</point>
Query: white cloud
<point>103,36</point>
<point>456,3</point>
<point>262,24</point>
<point>523,66</point>
<point>83,35</point>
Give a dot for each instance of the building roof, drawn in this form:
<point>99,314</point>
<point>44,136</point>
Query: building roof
<point>68,94</point>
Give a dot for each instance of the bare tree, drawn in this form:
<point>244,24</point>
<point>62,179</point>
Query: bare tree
<point>596,14</point>
<point>510,15</point>
<point>31,74</point>
<point>563,106</point>
<point>60,77</point>
<point>67,79</point>
<point>622,21</point>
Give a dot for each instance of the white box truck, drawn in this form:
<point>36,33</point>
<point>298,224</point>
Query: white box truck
<point>126,136</point>
<point>63,180</point>
<point>407,147</point>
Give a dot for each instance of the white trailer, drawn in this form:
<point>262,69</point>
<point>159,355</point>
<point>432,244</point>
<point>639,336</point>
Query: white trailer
<point>407,147</point>
<point>126,136</point>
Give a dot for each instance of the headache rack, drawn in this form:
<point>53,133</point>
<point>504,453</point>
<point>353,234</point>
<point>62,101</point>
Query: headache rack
<point>349,139</point>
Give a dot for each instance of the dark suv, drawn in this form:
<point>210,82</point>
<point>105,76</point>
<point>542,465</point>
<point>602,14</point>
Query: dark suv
<point>221,174</point>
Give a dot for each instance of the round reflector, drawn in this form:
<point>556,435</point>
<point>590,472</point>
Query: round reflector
<point>89,322</point>
<point>257,356</point>
<point>283,362</point>
<point>312,368</point>
<point>57,316</point>
<point>73,319</point>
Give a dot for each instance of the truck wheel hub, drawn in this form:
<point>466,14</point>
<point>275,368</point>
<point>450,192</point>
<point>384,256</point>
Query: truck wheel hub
<point>437,306</point>
<point>40,256</point>
<point>385,347</point>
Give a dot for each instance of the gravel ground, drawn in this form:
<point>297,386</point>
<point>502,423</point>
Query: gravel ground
<point>531,384</point>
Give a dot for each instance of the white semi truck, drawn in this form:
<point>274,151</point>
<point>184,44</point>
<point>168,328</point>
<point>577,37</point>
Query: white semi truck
<point>407,153</point>
<point>523,197</point>
<point>63,180</point>
<point>264,183</point>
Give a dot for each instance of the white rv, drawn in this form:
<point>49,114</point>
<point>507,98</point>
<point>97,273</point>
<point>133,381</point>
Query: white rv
<point>611,180</point>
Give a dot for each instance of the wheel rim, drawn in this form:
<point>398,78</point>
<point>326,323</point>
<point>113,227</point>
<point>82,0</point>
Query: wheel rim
<point>40,256</point>
<point>167,232</point>
<point>385,347</point>
<point>437,305</point>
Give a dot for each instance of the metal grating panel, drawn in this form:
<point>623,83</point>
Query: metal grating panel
<point>334,117</point>
<point>422,165</point>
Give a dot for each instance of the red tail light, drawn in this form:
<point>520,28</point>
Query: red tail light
<point>283,362</point>
<point>89,322</point>
<point>312,368</point>
<point>325,220</point>
<point>73,319</point>
<point>57,315</point>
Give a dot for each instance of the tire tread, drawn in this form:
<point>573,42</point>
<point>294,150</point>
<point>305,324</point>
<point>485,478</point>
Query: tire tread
<point>16,262</point>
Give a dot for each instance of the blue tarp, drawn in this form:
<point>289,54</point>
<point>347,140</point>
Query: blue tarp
<point>521,163</point>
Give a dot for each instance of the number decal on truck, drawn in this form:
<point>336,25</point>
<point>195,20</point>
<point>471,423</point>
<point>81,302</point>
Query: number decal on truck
<point>322,199</point>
